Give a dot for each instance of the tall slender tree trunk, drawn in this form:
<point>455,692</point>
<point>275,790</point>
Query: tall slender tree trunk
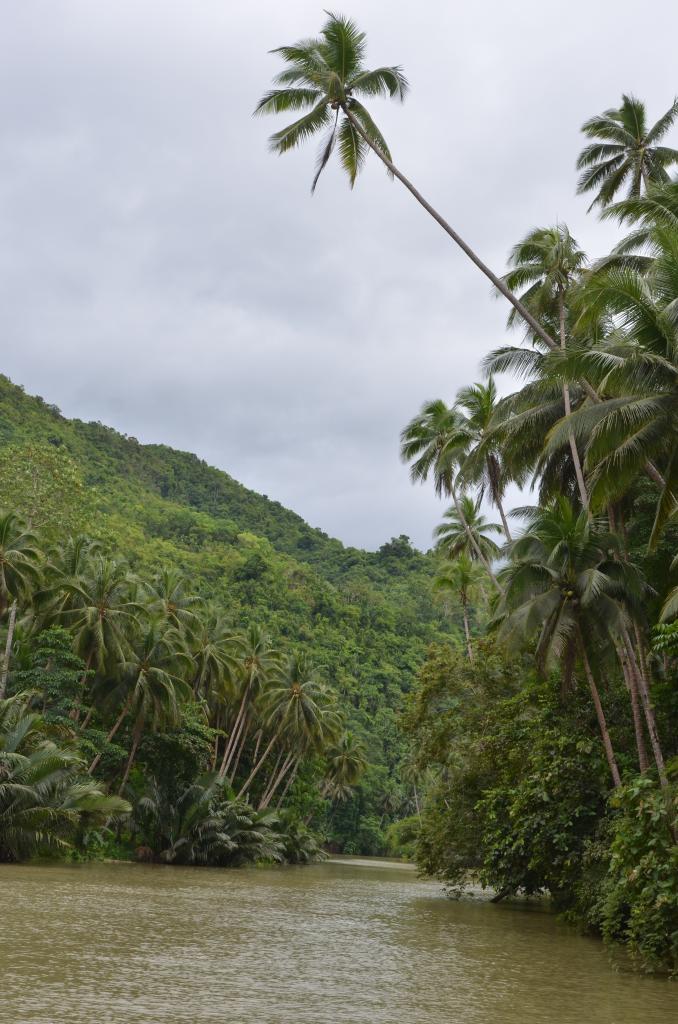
<point>632,687</point>
<point>600,714</point>
<point>75,710</point>
<point>241,747</point>
<point>234,737</point>
<point>501,287</point>
<point>271,778</point>
<point>583,495</point>
<point>473,542</point>
<point>646,700</point>
<point>290,779</point>
<point>215,751</point>
<point>255,771</point>
<point>502,516</point>
<point>467,631</point>
<point>116,725</point>
<point>287,764</point>
<point>136,739</point>
<point>8,649</point>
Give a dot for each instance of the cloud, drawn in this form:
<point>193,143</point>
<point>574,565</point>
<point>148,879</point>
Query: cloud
<point>162,272</point>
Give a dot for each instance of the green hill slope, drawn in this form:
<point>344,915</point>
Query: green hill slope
<point>366,618</point>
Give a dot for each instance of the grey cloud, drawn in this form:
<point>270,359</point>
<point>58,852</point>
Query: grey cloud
<point>160,271</point>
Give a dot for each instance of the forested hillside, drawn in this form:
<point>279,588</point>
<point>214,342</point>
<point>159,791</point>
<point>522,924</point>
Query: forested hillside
<point>364,619</point>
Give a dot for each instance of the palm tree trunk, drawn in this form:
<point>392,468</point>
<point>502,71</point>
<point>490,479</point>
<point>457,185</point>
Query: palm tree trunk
<point>234,737</point>
<point>600,714</point>
<point>116,725</point>
<point>75,710</point>
<point>255,770</point>
<point>271,777</point>
<point>8,649</point>
<point>136,739</point>
<point>290,779</point>
<point>568,409</point>
<point>467,631</point>
<point>502,516</point>
<point>241,747</point>
<point>289,761</point>
<point>644,687</point>
<point>473,542</point>
<point>501,287</point>
<point>215,752</point>
<point>496,281</point>
<point>88,718</point>
<point>632,687</point>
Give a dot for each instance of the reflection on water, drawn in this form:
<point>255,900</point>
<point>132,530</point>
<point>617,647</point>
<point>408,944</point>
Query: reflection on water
<point>336,943</point>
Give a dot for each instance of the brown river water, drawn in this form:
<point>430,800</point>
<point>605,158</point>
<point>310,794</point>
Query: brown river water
<point>351,942</point>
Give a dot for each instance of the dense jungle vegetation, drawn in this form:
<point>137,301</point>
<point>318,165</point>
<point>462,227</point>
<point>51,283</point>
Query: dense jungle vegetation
<point>546,745</point>
<point>175,634</point>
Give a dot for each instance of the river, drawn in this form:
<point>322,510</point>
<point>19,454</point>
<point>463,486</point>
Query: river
<point>347,942</point>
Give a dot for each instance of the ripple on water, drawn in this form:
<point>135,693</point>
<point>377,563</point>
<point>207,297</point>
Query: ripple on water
<point>338,943</point>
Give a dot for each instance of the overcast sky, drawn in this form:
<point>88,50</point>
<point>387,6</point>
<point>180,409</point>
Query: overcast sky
<point>162,272</point>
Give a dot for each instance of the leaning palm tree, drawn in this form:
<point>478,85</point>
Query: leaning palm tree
<point>257,660</point>
<point>19,567</point>
<point>297,712</point>
<point>624,151</point>
<point>326,77</point>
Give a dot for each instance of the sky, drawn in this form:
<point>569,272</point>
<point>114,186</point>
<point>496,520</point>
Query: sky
<point>162,272</point>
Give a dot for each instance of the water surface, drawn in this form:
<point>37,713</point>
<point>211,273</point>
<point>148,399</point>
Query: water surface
<point>335,943</point>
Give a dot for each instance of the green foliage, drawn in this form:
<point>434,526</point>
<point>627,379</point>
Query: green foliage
<point>44,484</point>
<point>364,618</point>
<point>45,796</point>
<point>402,837</point>
<point>635,898</point>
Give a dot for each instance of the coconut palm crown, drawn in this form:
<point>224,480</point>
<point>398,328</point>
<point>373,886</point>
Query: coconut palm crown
<point>324,77</point>
<point>625,151</point>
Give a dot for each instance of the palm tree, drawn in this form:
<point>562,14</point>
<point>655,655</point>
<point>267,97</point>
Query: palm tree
<point>168,595</point>
<point>463,578</point>
<point>257,661</point>
<point>547,263</point>
<point>346,762</point>
<point>435,443</point>
<point>636,365</point>
<point>19,561</point>
<point>152,676</point>
<point>465,531</point>
<point>43,792</point>
<point>214,647</point>
<point>625,152</point>
<point>325,76</point>
<point>99,608</point>
<point>565,588</point>
<point>298,712</point>
<point>482,464</point>
<point>321,76</point>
